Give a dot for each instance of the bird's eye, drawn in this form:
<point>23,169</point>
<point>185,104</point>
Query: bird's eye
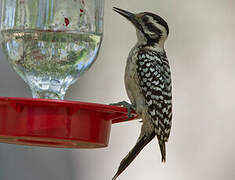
<point>145,19</point>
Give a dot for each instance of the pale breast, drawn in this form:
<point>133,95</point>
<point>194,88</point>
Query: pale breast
<point>132,83</point>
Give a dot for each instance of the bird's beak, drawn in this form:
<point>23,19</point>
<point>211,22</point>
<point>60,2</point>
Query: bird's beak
<point>130,16</point>
<point>124,13</point>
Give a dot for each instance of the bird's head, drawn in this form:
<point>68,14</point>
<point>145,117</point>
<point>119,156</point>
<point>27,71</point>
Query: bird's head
<point>151,28</point>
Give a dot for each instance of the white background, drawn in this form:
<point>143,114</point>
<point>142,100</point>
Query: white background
<point>202,56</point>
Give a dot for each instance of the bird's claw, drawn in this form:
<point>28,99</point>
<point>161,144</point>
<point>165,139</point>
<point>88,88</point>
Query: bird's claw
<point>127,105</point>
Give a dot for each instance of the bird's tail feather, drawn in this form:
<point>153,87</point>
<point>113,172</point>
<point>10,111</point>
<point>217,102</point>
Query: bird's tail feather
<point>141,143</point>
<point>163,150</point>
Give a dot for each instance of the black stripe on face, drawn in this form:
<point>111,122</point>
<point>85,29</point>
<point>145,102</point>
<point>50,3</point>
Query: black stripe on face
<point>159,20</point>
<point>153,28</point>
<point>156,32</point>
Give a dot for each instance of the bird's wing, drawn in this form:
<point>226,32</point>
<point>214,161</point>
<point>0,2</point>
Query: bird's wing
<point>157,91</point>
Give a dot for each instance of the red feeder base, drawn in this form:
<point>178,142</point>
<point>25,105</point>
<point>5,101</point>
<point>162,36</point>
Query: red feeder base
<point>57,123</point>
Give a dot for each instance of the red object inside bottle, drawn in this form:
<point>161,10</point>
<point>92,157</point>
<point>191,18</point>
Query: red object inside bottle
<point>57,123</point>
<point>66,20</point>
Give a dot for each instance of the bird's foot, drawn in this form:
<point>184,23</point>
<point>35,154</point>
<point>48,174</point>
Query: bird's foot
<point>127,105</point>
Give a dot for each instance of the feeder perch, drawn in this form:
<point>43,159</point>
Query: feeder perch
<point>57,123</point>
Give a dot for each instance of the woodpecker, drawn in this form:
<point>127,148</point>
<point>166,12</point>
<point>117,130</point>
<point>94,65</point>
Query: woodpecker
<point>148,82</point>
